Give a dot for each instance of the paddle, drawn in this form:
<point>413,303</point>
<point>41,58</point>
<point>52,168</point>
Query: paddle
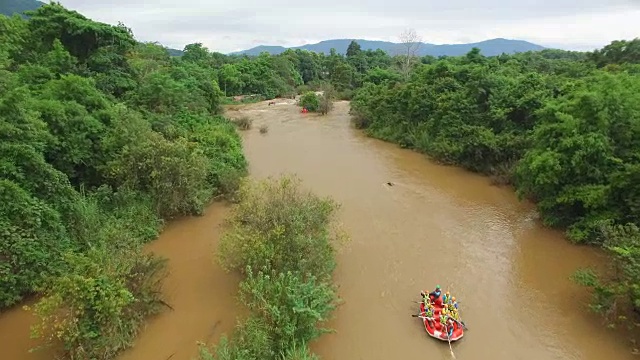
<point>422,317</point>
<point>449,340</point>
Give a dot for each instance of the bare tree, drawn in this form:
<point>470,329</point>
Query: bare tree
<point>411,43</point>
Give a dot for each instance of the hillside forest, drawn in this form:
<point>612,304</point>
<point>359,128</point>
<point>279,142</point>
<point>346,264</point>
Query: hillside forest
<point>103,139</point>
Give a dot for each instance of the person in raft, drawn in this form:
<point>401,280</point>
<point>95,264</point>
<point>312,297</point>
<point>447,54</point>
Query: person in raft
<point>446,322</point>
<point>453,304</point>
<point>452,308</point>
<point>425,297</point>
<point>435,293</point>
<point>428,307</point>
<point>446,299</point>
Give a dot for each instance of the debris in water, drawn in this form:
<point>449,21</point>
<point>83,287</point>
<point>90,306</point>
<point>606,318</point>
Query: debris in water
<point>389,183</point>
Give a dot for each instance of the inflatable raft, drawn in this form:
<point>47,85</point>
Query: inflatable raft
<point>435,329</point>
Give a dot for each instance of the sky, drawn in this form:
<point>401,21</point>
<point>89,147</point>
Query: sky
<point>227,26</point>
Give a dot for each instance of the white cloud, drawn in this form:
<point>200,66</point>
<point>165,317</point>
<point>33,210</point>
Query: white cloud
<point>241,24</point>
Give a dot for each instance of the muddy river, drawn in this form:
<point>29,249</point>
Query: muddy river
<point>435,225</point>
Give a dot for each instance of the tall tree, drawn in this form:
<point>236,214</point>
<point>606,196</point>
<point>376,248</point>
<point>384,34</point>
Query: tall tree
<point>354,49</point>
<point>411,43</point>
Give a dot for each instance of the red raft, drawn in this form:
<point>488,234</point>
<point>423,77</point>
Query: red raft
<point>435,329</point>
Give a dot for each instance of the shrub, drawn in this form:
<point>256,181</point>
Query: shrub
<point>243,123</point>
<point>96,307</point>
<point>32,240</point>
<point>281,227</point>
<point>282,239</point>
<point>346,94</point>
<point>614,295</point>
<point>251,340</point>
<point>264,129</point>
<point>310,101</point>
<point>303,89</point>
<point>291,305</point>
<point>326,100</point>
<point>173,173</point>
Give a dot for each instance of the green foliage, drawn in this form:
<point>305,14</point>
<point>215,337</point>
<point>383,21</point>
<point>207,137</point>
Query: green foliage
<point>290,305</point>
<point>174,173</point>
<point>32,240</point>
<point>283,240</point>
<point>326,100</point>
<point>97,306</point>
<point>618,52</point>
<point>579,147</point>
<point>243,123</point>
<point>619,291</point>
<point>277,225</point>
<point>251,341</point>
<point>102,139</point>
<point>310,101</point>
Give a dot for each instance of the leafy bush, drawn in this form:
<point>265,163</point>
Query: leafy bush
<point>326,100</point>
<point>243,123</point>
<point>291,305</point>
<point>310,101</point>
<point>303,89</point>
<point>283,241</point>
<point>97,306</point>
<point>32,241</point>
<point>614,295</point>
<point>277,225</point>
<point>251,340</point>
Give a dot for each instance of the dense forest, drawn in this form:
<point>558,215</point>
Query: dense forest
<point>103,139</point>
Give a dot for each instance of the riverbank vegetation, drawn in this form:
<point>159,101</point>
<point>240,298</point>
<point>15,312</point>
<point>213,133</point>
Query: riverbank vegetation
<point>102,140</point>
<point>321,102</point>
<point>562,127</point>
<point>283,240</point>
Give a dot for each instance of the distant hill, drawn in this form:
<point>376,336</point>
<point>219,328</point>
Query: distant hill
<point>10,7</point>
<point>491,47</point>
<point>488,48</point>
<point>175,52</point>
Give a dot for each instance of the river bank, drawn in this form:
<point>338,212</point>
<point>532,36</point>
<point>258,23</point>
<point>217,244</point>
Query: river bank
<point>201,293</point>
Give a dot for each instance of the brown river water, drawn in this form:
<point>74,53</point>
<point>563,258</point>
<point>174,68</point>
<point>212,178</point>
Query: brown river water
<point>435,225</point>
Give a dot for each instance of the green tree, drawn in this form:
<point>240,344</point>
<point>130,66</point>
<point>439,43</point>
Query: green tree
<point>354,49</point>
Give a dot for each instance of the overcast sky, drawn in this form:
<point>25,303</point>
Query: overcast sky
<point>232,25</point>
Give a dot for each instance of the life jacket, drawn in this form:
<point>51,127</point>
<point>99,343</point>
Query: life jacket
<point>429,311</point>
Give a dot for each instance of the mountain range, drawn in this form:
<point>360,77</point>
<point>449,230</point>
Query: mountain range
<point>488,48</point>
<point>491,47</point>
<point>10,7</point>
